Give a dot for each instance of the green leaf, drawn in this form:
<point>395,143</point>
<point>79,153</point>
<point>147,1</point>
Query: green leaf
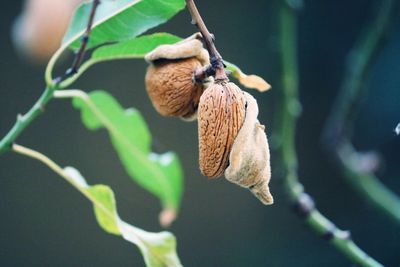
<point>119,20</point>
<point>158,249</point>
<point>105,195</point>
<point>159,174</point>
<point>135,48</point>
<point>140,46</point>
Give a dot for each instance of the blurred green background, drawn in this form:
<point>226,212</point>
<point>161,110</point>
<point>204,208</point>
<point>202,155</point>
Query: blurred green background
<point>45,222</point>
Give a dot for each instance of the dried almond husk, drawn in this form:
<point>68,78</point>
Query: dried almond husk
<point>249,159</point>
<point>187,48</point>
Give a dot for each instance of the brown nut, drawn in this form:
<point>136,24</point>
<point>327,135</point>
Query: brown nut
<point>221,115</point>
<point>172,88</point>
<point>170,80</point>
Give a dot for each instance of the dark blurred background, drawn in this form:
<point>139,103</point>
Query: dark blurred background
<point>45,222</point>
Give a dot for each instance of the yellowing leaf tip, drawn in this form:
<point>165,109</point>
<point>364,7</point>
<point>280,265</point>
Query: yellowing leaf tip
<point>252,81</point>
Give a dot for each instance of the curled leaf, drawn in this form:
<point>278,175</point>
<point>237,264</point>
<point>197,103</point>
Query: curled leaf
<point>249,81</point>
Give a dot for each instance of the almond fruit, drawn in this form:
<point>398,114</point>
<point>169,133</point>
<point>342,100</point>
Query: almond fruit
<point>220,116</point>
<point>172,88</point>
<point>170,81</point>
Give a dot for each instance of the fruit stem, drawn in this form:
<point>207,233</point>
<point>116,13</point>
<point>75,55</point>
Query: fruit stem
<point>215,57</point>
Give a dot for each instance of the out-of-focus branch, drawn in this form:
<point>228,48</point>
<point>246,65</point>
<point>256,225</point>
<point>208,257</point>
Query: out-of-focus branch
<point>358,167</point>
<point>289,109</point>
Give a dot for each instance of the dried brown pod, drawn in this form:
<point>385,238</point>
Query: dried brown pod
<point>171,87</point>
<point>220,116</point>
<point>249,160</point>
<point>170,81</point>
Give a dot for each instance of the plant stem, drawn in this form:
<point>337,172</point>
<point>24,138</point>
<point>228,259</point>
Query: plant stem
<point>289,110</point>
<point>338,128</point>
<point>61,172</point>
<point>23,121</point>
<point>215,57</point>
<point>56,168</point>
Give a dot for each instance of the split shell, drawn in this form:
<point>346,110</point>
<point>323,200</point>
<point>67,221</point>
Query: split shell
<point>220,116</point>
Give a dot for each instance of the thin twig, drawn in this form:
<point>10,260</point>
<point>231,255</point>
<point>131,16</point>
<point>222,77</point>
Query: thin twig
<point>288,112</point>
<point>84,41</point>
<point>215,57</point>
<point>54,167</point>
<point>61,172</point>
<point>25,120</point>
<point>338,128</point>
